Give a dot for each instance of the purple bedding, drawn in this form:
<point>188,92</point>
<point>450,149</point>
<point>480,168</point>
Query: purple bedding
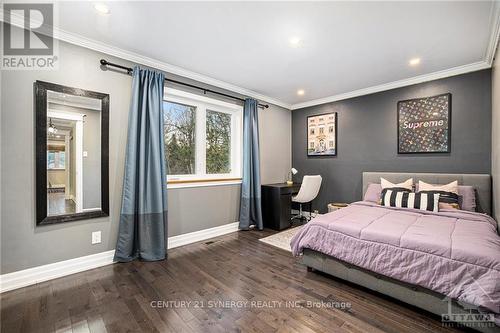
<point>454,253</point>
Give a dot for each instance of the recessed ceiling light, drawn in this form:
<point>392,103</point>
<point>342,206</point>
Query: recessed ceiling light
<point>414,61</point>
<point>301,92</point>
<point>295,41</point>
<point>101,8</point>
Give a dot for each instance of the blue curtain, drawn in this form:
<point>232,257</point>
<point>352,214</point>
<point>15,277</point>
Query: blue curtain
<point>143,219</point>
<point>250,204</point>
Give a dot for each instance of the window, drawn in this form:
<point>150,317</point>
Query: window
<point>312,131</point>
<point>202,138</point>
<point>218,142</point>
<point>330,129</point>
<point>56,156</point>
<point>179,131</point>
<point>56,160</point>
<point>321,130</point>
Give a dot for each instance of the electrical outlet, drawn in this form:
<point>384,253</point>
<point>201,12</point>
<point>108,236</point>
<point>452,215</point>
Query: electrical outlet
<point>85,154</point>
<point>96,237</point>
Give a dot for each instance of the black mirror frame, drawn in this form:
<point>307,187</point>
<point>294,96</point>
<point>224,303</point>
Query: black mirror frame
<point>40,94</point>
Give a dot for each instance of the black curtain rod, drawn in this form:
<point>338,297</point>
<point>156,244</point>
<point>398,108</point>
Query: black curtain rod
<point>129,71</point>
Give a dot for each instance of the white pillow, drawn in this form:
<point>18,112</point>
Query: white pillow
<point>408,184</point>
<point>451,187</point>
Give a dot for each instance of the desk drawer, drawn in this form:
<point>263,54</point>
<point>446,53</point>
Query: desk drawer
<point>294,189</point>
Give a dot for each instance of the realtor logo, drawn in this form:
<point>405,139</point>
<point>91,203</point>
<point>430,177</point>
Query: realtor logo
<point>28,41</point>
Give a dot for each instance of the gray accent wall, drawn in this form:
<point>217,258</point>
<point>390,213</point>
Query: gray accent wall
<point>23,245</point>
<point>367,136</point>
<point>495,135</point>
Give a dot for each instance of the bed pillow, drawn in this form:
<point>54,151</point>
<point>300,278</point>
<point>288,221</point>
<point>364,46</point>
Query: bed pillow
<point>408,184</point>
<point>405,199</point>
<point>447,200</point>
<point>466,194</point>
<point>467,197</point>
<point>451,187</point>
<point>373,192</point>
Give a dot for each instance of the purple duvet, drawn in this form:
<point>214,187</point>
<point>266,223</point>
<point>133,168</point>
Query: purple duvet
<point>454,253</point>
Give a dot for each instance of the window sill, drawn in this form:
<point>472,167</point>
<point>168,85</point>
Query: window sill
<point>174,184</point>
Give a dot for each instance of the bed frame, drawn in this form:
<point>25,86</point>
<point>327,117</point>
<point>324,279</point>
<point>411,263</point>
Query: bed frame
<point>417,296</point>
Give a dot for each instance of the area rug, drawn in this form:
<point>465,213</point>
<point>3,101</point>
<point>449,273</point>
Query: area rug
<point>281,239</point>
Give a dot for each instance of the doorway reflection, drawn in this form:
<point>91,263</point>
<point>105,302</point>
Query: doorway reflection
<point>73,154</point>
<point>60,173</point>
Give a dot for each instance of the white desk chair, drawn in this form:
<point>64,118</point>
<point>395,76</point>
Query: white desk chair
<point>308,192</point>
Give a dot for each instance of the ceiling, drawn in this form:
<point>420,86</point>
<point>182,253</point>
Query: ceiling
<point>74,100</point>
<point>345,46</point>
<point>63,127</point>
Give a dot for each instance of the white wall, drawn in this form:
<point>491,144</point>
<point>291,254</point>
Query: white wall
<point>23,245</point>
<point>495,135</point>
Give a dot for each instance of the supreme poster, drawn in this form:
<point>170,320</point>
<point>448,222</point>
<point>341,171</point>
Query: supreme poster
<point>424,125</point>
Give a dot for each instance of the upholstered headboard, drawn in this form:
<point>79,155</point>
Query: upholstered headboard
<point>482,183</point>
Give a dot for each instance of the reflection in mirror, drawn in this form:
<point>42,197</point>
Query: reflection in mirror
<point>72,149</point>
<point>73,154</point>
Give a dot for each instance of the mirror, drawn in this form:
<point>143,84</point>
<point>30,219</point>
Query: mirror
<point>71,153</point>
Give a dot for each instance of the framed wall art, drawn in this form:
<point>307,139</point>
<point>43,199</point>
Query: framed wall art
<point>322,135</point>
<point>424,125</point>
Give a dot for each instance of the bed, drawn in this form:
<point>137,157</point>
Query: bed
<point>447,263</point>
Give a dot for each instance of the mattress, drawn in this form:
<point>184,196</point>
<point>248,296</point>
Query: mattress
<point>454,253</point>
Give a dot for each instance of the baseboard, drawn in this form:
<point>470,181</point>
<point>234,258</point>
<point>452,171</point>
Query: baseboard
<point>59,269</point>
<point>201,235</point>
<point>43,273</point>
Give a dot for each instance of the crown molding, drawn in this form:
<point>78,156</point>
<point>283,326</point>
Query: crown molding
<point>159,65</point>
<point>94,45</point>
<point>494,34</point>
<point>79,40</point>
<point>397,84</point>
<point>476,66</point>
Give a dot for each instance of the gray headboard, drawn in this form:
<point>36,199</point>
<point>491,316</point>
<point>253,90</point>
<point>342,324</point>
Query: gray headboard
<point>482,183</point>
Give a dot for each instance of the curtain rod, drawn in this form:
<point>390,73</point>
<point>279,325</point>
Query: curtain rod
<point>129,71</point>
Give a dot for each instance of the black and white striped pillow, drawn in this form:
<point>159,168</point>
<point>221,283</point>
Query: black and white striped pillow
<point>402,199</point>
<point>449,198</point>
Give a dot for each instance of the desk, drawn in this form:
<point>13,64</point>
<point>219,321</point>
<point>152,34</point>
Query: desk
<point>277,204</point>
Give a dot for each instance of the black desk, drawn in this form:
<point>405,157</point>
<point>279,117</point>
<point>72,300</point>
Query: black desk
<point>277,204</point>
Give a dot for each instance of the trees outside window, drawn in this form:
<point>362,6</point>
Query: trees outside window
<point>203,137</point>
<point>218,142</point>
<point>179,131</point>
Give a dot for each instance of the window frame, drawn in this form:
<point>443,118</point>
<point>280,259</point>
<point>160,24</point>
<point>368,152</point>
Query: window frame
<point>202,105</point>
<point>56,159</point>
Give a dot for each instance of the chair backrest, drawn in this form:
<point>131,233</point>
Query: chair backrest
<point>309,189</point>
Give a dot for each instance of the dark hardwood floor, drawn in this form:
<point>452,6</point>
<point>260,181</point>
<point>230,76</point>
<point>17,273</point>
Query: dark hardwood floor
<point>235,268</point>
<point>58,204</point>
